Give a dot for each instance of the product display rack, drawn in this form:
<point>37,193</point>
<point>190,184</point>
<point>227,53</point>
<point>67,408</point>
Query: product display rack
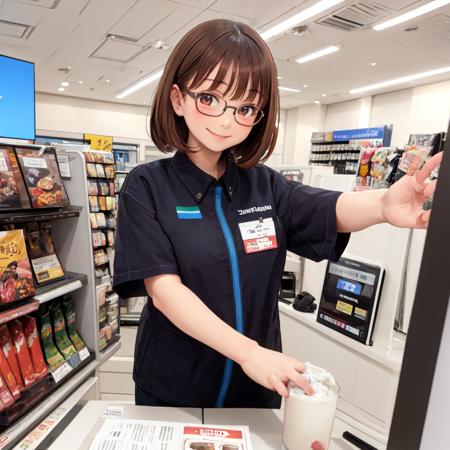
<point>73,243</point>
<point>102,201</point>
<point>341,149</point>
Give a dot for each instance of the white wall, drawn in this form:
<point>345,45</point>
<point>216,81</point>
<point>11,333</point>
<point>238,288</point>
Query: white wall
<point>423,109</point>
<point>300,124</point>
<point>75,116</point>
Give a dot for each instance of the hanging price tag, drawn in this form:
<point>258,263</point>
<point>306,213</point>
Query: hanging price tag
<point>61,372</point>
<point>84,354</point>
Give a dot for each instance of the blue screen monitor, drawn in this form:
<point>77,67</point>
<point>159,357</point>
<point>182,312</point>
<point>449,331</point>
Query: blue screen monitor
<point>17,107</point>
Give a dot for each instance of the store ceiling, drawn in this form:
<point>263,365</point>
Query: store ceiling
<point>58,34</point>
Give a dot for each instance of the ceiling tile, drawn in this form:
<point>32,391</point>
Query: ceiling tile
<point>21,13</point>
<point>116,50</point>
<point>143,17</point>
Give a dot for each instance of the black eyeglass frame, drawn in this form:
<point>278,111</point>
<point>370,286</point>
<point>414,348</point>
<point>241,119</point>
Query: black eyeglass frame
<point>195,96</point>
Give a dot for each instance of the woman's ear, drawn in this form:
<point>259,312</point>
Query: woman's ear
<point>176,98</point>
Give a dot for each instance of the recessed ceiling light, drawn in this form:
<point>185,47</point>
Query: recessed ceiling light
<point>280,78</point>
<point>302,16</point>
<point>305,86</point>
<point>373,64</point>
<point>324,95</point>
<point>61,89</point>
<point>281,88</point>
<point>416,76</point>
<point>323,52</point>
<point>317,102</point>
<point>107,81</point>
<point>140,84</point>
<point>424,9</point>
<point>80,82</point>
<point>64,83</point>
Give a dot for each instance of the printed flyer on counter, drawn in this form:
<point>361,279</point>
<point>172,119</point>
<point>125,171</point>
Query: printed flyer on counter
<point>127,434</point>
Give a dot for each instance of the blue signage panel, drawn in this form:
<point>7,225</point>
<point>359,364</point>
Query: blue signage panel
<point>362,133</point>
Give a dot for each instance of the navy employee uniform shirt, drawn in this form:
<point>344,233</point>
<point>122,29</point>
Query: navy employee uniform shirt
<point>175,219</point>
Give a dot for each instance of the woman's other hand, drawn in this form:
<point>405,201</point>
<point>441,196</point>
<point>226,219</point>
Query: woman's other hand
<point>274,370</point>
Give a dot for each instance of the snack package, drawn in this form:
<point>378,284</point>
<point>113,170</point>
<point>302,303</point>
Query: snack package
<point>45,263</point>
<point>102,203</point>
<point>364,165</point>
<point>34,346</point>
<point>59,329</point>
<point>91,170</point>
<point>5,396</point>
<point>13,194</point>
<point>40,170</point>
<point>101,219</point>
<point>10,354</point>
<point>16,280</point>
<point>93,203</point>
<point>69,313</point>
<point>109,172</point>
<point>52,356</point>
<point>112,188</point>
<point>94,223</point>
<point>22,353</point>
<point>100,171</point>
<point>412,160</point>
<point>8,376</point>
<point>92,187</point>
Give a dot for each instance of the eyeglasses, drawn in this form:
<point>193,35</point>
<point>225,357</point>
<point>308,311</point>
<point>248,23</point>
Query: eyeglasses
<point>213,105</point>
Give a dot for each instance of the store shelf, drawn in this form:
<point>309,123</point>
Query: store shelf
<point>72,282</point>
<point>62,415</point>
<point>25,307</point>
<point>391,359</point>
<point>46,406</point>
<point>123,171</point>
<point>39,215</point>
<point>110,349</point>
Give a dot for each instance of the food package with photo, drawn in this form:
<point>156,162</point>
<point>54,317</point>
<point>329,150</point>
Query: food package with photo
<point>16,278</point>
<point>42,177</point>
<point>13,194</point>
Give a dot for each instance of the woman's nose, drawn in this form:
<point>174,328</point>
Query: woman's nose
<point>227,117</point>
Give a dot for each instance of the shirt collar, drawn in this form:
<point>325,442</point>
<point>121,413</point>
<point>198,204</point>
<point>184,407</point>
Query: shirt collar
<point>197,182</point>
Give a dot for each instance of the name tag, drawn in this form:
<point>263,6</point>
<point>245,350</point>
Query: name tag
<point>258,235</point>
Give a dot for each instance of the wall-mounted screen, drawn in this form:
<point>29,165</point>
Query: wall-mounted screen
<point>17,105</point>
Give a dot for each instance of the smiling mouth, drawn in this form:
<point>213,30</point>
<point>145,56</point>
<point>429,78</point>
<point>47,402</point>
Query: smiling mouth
<point>217,135</point>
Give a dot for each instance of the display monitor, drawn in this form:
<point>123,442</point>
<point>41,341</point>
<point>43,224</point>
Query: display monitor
<point>17,101</point>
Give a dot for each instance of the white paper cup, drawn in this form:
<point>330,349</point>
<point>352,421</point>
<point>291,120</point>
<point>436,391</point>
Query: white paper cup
<point>309,419</point>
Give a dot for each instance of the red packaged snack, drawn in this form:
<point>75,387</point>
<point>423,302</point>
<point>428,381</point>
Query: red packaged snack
<point>34,346</point>
<point>10,354</point>
<point>5,395</point>
<point>8,376</point>
<point>23,355</point>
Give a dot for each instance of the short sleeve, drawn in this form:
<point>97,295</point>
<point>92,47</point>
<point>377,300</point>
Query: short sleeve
<point>142,247</point>
<point>309,217</point>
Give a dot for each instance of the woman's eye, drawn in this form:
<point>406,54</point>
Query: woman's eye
<point>208,99</point>
<point>247,111</point>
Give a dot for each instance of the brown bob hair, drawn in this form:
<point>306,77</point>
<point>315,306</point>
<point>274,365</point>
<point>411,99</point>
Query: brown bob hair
<point>234,45</point>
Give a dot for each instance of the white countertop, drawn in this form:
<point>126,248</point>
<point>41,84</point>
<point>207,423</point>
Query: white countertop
<point>265,424</point>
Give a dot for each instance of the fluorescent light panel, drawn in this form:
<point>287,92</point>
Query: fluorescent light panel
<point>302,16</point>
<point>424,9</point>
<point>318,54</point>
<point>401,80</point>
<point>281,88</point>
<point>139,85</point>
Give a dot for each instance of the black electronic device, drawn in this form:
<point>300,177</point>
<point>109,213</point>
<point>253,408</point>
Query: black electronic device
<point>350,295</point>
<point>287,288</point>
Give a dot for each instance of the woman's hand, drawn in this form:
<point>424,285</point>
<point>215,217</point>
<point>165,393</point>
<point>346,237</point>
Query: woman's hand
<point>402,204</point>
<point>274,370</point>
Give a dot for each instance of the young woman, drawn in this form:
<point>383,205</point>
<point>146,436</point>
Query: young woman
<point>204,234</point>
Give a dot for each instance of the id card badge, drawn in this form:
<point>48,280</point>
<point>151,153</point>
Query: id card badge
<point>258,235</point>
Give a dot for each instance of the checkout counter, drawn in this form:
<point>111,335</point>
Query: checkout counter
<point>265,425</point>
